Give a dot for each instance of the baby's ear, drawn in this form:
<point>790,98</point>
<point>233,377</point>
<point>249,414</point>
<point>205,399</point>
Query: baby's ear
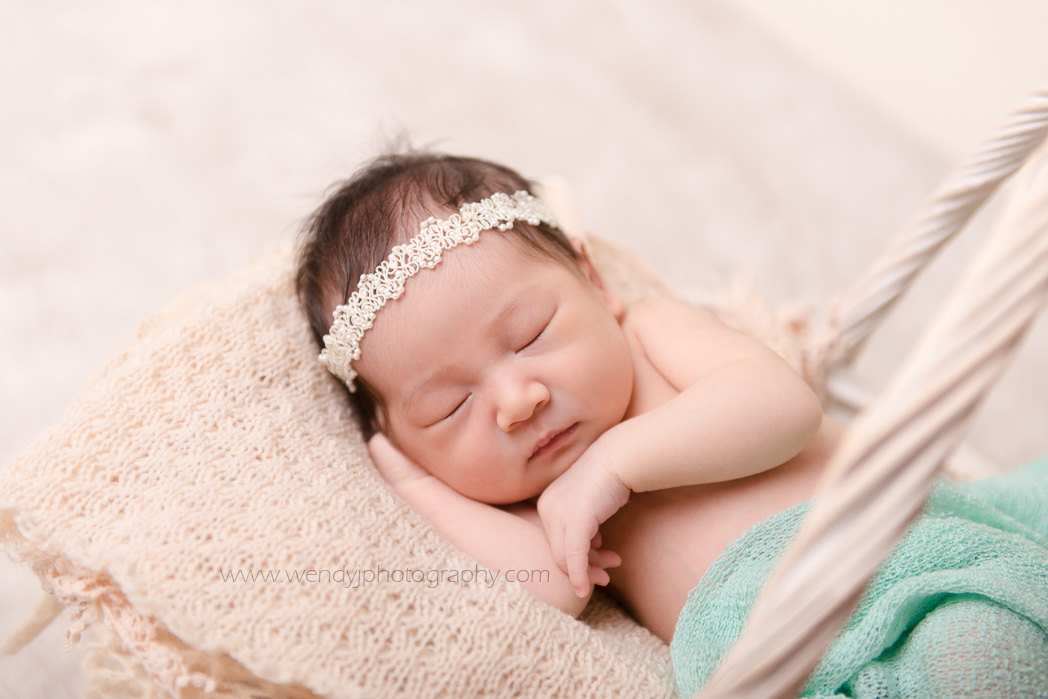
<point>379,421</point>
<point>580,247</point>
<point>589,271</point>
<point>376,427</point>
<point>379,418</point>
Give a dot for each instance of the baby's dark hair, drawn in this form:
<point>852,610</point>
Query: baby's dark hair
<point>381,206</point>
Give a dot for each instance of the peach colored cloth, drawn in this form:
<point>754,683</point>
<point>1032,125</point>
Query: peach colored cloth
<point>214,445</point>
<point>215,442</point>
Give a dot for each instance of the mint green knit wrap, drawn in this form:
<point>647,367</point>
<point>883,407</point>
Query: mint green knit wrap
<point>960,608</point>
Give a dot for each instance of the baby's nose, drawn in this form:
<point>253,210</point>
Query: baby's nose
<point>519,403</point>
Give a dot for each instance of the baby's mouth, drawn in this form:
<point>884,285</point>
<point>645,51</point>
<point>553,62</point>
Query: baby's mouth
<point>553,442</point>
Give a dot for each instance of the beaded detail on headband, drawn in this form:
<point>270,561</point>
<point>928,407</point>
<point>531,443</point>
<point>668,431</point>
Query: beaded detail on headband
<point>424,251</point>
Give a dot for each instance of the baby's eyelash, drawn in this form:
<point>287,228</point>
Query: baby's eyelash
<point>456,408</point>
<point>532,340</point>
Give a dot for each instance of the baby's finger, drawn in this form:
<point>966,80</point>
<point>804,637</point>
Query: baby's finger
<point>605,558</point>
<point>554,535</point>
<point>556,546</point>
<point>596,541</point>
<point>599,576</point>
<point>576,552</point>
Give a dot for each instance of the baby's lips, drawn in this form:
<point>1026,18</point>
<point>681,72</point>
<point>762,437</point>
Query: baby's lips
<point>554,436</point>
<point>543,442</point>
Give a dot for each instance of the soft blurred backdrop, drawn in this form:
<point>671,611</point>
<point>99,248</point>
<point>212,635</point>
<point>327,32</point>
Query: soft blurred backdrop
<point>149,146</point>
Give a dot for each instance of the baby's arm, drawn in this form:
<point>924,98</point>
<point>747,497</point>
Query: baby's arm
<point>740,410</point>
<point>501,539</point>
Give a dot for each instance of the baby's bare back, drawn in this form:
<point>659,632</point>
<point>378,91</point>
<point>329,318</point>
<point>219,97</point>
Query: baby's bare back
<point>668,538</point>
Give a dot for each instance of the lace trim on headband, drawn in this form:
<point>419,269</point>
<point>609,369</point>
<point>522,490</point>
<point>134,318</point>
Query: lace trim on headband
<point>424,251</point>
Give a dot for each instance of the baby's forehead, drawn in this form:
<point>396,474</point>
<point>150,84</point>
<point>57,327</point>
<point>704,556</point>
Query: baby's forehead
<point>478,279</point>
<point>497,259</point>
<point>470,280</point>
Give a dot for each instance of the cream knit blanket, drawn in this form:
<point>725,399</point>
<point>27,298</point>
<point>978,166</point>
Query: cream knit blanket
<point>216,446</point>
<point>207,507</point>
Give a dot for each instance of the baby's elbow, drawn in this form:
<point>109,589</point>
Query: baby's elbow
<point>806,411</point>
<point>793,411</point>
<point>572,604</point>
<point>561,596</point>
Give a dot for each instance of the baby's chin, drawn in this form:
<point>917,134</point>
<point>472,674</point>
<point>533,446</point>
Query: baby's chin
<point>527,494</point>
<point>511,498</point>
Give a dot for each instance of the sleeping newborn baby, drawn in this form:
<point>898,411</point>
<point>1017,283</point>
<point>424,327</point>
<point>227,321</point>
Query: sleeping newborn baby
<point>528,414</point>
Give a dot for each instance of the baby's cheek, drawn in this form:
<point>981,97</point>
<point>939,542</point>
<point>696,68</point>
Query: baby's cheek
<point>471,458</point>
<point>615,366</point>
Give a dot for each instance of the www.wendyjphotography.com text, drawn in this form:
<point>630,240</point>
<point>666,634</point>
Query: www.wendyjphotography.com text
<point>360,577</point>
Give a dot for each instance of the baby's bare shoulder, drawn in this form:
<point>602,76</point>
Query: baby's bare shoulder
<point>661,321</point>
<point>685,341</point>
<point>653,314</point>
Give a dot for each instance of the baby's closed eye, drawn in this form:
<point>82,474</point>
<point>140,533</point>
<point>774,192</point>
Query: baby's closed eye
<point>444,411</point>
<point>458,406</point>
<point>536,334</point>
<point>534,339</point>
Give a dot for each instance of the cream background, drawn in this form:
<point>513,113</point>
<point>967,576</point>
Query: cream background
<point>147,147</point>
<point>943,70</point>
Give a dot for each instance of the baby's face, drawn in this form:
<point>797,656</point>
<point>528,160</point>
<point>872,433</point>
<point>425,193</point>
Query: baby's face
<point>498,369</point>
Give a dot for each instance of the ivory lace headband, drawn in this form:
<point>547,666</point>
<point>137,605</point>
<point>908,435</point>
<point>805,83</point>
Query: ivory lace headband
<point>424,251</point>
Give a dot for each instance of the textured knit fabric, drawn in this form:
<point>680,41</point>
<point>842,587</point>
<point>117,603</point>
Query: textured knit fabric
<point>216,445</point>
<point>959,609</point>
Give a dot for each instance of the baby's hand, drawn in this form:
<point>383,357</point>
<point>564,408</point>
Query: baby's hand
<point>572,509</point>
<point>391,463</point>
